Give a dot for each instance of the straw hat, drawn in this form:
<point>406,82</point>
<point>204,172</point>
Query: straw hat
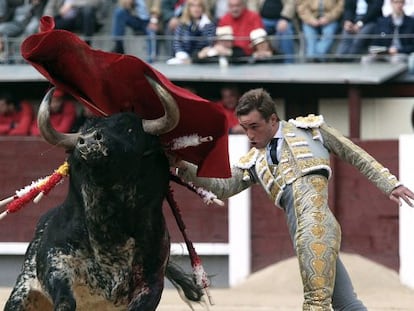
<point>257,36</point>
<point>224,33</point>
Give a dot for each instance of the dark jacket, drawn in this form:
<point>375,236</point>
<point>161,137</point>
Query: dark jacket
<point>385,28</point>
<point>374,11</point>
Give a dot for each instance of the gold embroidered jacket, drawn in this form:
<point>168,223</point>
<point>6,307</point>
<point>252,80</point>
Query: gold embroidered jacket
<point>307,143</point>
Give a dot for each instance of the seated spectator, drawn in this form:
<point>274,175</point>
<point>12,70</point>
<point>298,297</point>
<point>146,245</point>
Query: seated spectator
<point>62,114</point>
<point>24,19</point>
<point>15,117</point>
<point>278,17</point>
<point>230,95</point>
<point>195,31</point>
<point>223,49</point>
<point>320,20</point>
<point>242,21</point>
<point>408,8</point>
<point>171,13</point>
<point>396,39</point>
<point>263,51</point>
<point>4,56</point>
<point>140,16</point>
<point>360,18</point>
<point>7,8</point>
<point>75,15</point>
<point>84,115</point>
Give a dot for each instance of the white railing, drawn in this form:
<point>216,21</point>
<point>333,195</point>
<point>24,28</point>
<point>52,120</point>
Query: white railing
<point>406,216</point>
<point>237,249</point>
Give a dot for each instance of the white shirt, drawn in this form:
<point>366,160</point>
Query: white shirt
<point>279,136</point>
<point>362,7</point>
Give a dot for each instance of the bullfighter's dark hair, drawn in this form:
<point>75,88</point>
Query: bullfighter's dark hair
<point>256,99</point>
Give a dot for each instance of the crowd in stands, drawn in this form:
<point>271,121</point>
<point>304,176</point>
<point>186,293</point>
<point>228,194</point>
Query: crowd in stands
<point>224,32</point>
<point>190,31</point>
<point>18,117</point>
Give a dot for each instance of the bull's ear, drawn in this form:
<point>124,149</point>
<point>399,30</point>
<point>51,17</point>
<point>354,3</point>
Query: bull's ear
<point>170,119</point>
<point>68,141</point>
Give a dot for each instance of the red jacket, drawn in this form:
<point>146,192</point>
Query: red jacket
<point>17,123</point>
<point>232,119</point>
<point>242,26</point>
<point>62,121</point>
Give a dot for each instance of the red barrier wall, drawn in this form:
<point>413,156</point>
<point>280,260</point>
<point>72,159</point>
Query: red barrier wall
<point>369,220</point>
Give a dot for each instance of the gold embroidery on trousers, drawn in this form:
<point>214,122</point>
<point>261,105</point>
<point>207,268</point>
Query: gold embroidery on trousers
<point>317,240</point>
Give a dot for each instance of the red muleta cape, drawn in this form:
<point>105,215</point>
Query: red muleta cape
<point>109,83</point>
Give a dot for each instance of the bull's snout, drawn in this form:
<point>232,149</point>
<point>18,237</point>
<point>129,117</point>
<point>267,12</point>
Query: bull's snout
<point>91,143</point>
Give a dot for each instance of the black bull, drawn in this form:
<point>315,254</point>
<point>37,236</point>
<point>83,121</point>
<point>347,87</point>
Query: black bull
<point>106,247</point>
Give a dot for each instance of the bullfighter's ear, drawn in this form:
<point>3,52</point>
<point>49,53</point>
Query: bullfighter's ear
<point>170,119</point>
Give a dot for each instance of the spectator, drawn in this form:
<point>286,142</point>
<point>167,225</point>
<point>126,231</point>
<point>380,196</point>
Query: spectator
<point>396,39</point>
<point>278,17</point>
<point>263,51</point>
<point>84,115</point>
<point>171,13</point>
<point>320,20</point>
<point>4,57</point>
<point>360,18</point>
<point>62,114</point>
<point>242,21</point>
<point>15,117</point>
<point>75,15</point>
<point>408,8</point>
<point>24,20</point>
<point>141,16</point>
<point>195,31</point>
<point>223,49</point>
<point>6,10</point>
<point>230,95</point>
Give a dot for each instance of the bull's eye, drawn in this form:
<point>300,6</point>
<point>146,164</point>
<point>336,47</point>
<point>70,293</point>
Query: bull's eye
<point>81,141</point>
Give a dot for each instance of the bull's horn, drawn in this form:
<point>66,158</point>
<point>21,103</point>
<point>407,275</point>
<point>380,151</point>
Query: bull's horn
<point>68,141</point>
<point>171,117</point>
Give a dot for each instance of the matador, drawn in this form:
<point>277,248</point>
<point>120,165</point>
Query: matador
<point>296,180</point>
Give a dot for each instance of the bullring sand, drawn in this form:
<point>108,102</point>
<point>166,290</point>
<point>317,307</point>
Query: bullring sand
<point>278,288</point>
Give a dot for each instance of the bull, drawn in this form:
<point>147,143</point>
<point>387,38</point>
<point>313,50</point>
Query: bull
<point>106,247</point>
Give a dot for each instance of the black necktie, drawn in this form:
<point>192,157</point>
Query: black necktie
<point>273,150</point>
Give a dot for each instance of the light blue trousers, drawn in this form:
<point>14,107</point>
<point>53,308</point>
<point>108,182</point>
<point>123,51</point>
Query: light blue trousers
<point>319,40</point>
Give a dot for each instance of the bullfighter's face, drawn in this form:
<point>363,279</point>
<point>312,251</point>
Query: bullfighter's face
<point>258,130</point>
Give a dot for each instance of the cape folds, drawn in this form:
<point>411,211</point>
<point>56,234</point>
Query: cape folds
<point>109,83</point>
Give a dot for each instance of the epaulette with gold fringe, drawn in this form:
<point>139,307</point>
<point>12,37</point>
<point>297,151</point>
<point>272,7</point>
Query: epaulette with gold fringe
<point>248,160</point>
<point>310,121</point>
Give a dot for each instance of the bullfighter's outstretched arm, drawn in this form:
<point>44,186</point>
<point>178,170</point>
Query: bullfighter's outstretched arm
<point>222,187</point>
<point>366,164</point>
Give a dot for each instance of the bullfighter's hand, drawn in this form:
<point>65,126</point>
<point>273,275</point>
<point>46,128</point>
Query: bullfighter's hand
<point>402,192</point>
<point>174,160</point>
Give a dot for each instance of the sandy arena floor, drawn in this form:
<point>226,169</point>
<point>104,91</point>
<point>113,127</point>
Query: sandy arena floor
<point>278,288</point>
